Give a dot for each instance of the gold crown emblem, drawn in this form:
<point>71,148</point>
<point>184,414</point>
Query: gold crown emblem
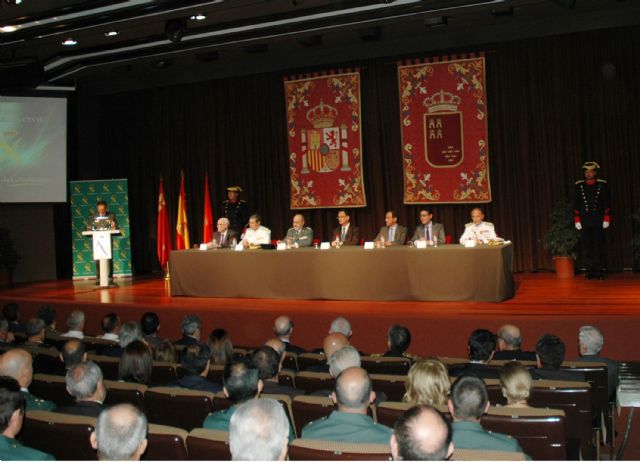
<point>442,101</point>
<point>322,116</point>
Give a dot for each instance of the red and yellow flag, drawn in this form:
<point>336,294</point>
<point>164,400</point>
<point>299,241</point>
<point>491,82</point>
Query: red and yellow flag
<point>182,227</point>
<point>164,231</point>
<point>207,233</point>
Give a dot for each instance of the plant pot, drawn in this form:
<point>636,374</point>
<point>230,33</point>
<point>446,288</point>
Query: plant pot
<point>565,267</point>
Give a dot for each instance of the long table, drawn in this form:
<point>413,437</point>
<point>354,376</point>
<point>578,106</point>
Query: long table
<point>449,272</point>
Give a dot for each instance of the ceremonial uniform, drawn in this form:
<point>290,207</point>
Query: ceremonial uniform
<point>10,449</point>
<point>303,237</point>
<point>219,420</point>
<point>37,404</point>
<point>262,235</point>
<point>399,234</point>
<point>238,214</point>
<point>592,210</point>
<point>428,231</point>
<point>346,427</point>
<point>471,435</point>
<point>483,232</point>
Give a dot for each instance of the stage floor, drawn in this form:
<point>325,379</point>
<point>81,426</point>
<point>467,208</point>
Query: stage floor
<point>542,303</point>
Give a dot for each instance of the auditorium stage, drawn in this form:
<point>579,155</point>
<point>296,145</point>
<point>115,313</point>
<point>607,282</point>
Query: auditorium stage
<point>542,304</point>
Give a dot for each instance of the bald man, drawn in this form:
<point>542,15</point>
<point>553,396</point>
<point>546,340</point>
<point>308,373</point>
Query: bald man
<point>298,235</point>
<point>283,328</point>
<point>508,345</point>
<point>18,364</point>
<point>350,423</point>
<point>421,433</point>
<point>120,434</point>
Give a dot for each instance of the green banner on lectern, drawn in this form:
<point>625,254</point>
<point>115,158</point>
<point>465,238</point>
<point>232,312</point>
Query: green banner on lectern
<point>84,196</point>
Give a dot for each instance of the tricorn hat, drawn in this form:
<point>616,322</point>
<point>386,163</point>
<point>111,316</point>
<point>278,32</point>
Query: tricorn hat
<point>591,165</point>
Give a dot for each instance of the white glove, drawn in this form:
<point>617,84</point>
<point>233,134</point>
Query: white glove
<point>578,226</point>
<point>605,224</point>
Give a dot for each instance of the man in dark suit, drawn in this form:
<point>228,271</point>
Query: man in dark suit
<point>283,328</point>
<point>590,343</point>
<point>346,233</point>
<point>398,341</point>
<point>482,345</point>
<point>508,345</point>
<point>85,383</point>
<point>427,230</point>
<point>550,355</point>
<point>195,360</point>
<point>190,327</point>
<point>267,361</point>
<point>392,233</point>
<point>224,237</point>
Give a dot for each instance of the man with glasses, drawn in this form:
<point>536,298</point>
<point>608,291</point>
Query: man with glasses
<point>428,230</point>
<point>346,233</point>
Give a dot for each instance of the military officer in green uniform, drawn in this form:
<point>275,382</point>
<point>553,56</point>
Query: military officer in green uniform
<point>350,423</point>
<point>12,409</point>
<point>17,363</point>
<point>468,402</point>
<point>299,235</point>
<point>236,210</point>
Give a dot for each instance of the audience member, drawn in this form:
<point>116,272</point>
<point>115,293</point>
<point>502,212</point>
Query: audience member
<point>267,361</point>
<point>110,325</point>
<point>469,401</point>
<point>221,347</point>
<point>35,330</point>
<point>509,343</point>
<point>590,343</point>
<point>427,383</point>
<point>164,352</point>
<point>342,326</point>
<point>17,363</point>
<point>283,328</point>
<point>136,363</point>
<point>75,324</point>
<point>259,430</point>
<point>549,357</point>
<point>241,383</point>
<point>150,325</point>
<point>398,341</point>
<point>482,345</point>
<point>85,383</point>
<point>73,352</point>
<point>12,410</point>
<point>6,338</point>
<point>11,312</point>
<point>515,384</point>
<point>344,358</point>
<point>190,326</point>
<point>129,332</point>
<point>350,423</point>
<point>421,433</point>
<point>48,314</point>
<point>121,433</point>
<point>195,360</point>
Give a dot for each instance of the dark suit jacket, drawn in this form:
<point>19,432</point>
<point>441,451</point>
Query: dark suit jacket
<point>351,238</point>
<point>274,388</point>
<point>515,355</point>
<point>557,374</point>
<point>612,372</point>
<point>88,408</point>
<point>399,237</point>
<point>231,235</point>
<point>293,348</point>
<point>436,228</point>
<point>187,340</point>
<point>479,370</point>
<point>196,382</point>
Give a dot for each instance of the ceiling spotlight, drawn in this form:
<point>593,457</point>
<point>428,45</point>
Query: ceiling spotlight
<point>69,42</point>
<point>112,33</point>
<point>7,29</point>
<point>198,17</point>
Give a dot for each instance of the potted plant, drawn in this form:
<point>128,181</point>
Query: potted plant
<point>8,258</point>
<point>561,239</point>
<point>635,240</point>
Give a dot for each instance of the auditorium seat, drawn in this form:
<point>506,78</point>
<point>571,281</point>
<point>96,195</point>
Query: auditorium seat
<point>163,373</point>
<point>46,361</point>
<point>388,412</point>
<point>287,378</point>
<point>166,443</point>
<point>307,360</point>
<point>205,444</point>
<point>285,401</point>
<point>306,409</point>
<point>64,436</point>
<point>307,449</point>
<point>216,373</point>
<point>290,361</point>
<point>314,381</point>
<point>393,386</point>
<point>482,454</point>
<point>108,365</point>
<point>125,392</point>
<point>95,345</point>
<point>177,407</point>
<point>385,365</point>
<point>52,388</point>
<point>221,402</point>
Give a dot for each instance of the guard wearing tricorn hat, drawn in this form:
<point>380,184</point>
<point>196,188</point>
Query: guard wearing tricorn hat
<point>592,209</point>
<point>236,210</point>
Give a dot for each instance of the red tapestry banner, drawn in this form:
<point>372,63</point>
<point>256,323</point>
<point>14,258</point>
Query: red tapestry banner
<point>325,141</point>
<point>443,115</point>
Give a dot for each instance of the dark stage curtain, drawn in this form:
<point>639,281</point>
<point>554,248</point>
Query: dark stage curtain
<point>553,103</point>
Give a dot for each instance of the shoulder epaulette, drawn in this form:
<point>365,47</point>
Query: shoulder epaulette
<point>601,181</point>
<point>468,224</point>
<point>579,181</point>
<point>225,202</point>
<point>488,223</point>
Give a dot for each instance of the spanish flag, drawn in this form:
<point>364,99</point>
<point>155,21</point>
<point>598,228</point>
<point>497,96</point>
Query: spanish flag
<point>207,233</point>
<point>164,231</point>
<point>182,227</point>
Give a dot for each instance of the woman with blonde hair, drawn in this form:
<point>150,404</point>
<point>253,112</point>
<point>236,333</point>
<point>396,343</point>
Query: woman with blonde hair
<point>428,383</point>
<point>515,384</point>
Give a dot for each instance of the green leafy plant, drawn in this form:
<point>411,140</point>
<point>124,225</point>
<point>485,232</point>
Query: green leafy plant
<point>8,255</point>
<point>635,240</point>
<point>562,237</point>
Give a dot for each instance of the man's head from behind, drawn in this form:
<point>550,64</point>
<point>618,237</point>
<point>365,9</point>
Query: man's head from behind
<point>590,340</point>
<point>110,324</point>
<point>550,351</point>
<point>150,323</point>
<point>469,399</point>
<point>18,364</point>
<point>267,361</point>
<point>195,359</point>
<point>241,381</point>
<point>85,382</point>
<point>509,338</point>
<point>334,342</point>
<point>343,359</point>
<point>191,326</point>
<point>12,406</point>
<point>35,330</point>
<point>482,344</point>
<point>399,338</point>
<point>73,352</point>
<point>421,433</point>
<point>283,326</point>
<point>48,314</point>
<point>259,430</point>
<point>75,320</point>
<point>342,326</point>
<point>353,392</point>
<point>121,433</point>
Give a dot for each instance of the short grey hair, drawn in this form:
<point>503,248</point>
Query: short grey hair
<point>129,332</point>
<point>74,319</point>
<point>223,220</point>
<point>119,432</point>
<point>83,379</point>
<point>258,431</point>
<point>341,325</point>
<point>190,324</point>
<point>343,359</point>
<point>592,339</point>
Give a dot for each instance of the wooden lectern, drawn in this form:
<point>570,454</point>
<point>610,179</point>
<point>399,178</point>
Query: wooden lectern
<point>102,252</point>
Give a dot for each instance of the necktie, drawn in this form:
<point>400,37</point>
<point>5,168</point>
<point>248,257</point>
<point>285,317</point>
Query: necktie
<point>427,233</point>
<point>390,235</point>
<point>222,238</point>
<point>344,231</point>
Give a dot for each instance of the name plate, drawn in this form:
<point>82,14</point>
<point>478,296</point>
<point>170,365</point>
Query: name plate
<point>325,245</point>
<point>421,244</point>
<point>203,247</point>
<point>239,247</point>
<point>281,246</point>
<point>368,245</point>
<point>470,243</point>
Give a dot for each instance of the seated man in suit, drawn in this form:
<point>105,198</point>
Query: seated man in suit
<point>190,327</point>
<point>85,383</point>
<point>350,423</point>
<point>35,330</point>
<point>195,360</point>
<point>121,433</point>
<point>256,234</point>
<point>468,402</point>
<point>398,341</point>
<point>299,235</point>
<point>17,363</point>
<point>481,347</point>
<point>421,433</point>
<point>259,430</point>
<point>150,325</point>
<point>283,328</point>
<point>75,323</point>
<point>590,343</point>
<point>224,237</point>
<point>392,233</point>
<point>508,345</point>
<point>73,352</point>
<point>110,325</point>
<point>12,409</point>
<point>479,231</point>
<point>267,360</point>
<point>428,230</point>
<point>346,233</point>
<point>549,357</point>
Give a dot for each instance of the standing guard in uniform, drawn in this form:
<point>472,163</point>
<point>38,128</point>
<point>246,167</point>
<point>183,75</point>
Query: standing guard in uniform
<point>592,210</point>
<point>236,210</point>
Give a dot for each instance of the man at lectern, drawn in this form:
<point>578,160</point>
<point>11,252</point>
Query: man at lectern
<point>103,220</point>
